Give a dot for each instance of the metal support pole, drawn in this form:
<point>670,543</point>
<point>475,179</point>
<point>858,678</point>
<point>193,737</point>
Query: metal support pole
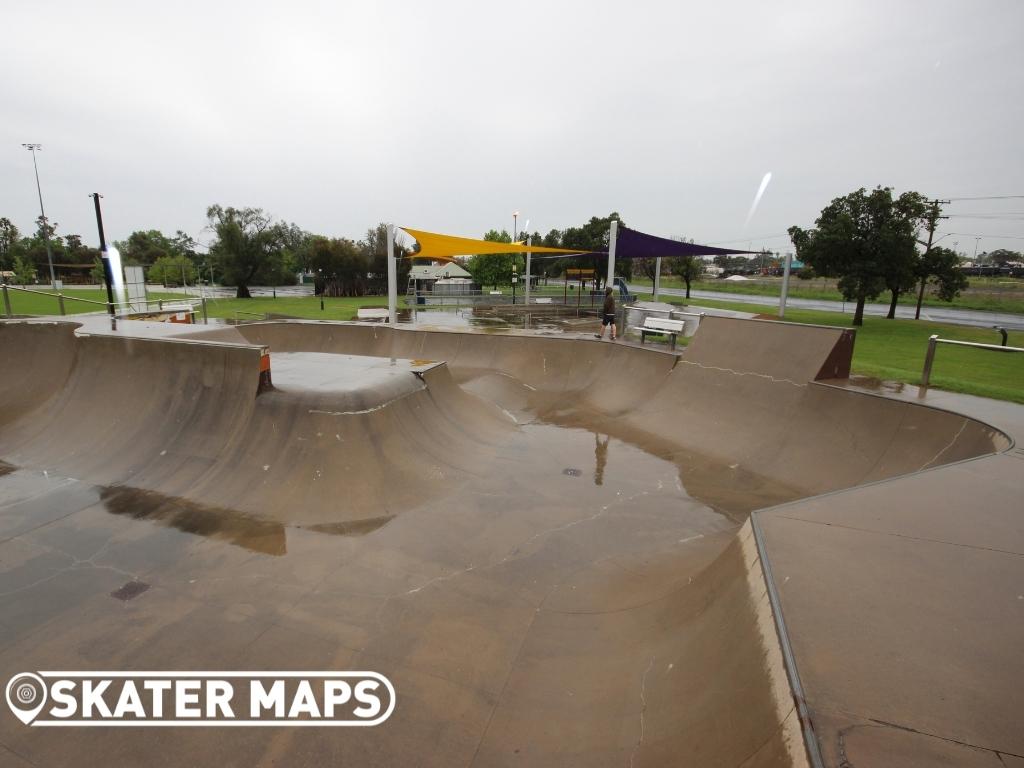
<point>46,235</point>
<point>929,358</point>
<point>108,275</point>
<point>613,233</point>
<point>526,290</point>
<point>392,278</point>
<point>657,277</point>
<point>785,285</point>
<point>206,317</point>
<point>7,302</point>
<point>60,303</point>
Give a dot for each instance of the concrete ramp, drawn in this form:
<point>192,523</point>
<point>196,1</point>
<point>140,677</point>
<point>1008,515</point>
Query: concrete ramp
<point>541,541</point>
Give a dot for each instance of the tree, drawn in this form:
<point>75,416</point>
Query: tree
<point>901,266</point>
<point>146,247</point>
<point>24,271</point>
<point>866,239</point>
<point>249,245</point>
<point>172,270</point>
<point>374,248</point>
<point>592,236</point>
<point>1000,257</point>
<point>340,266</point>
<point>940,266</point>
<point>493,268</point>
<point>689,268</point>
<point>9,237</point>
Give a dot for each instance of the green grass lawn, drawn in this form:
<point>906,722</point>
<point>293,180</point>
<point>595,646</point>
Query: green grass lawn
<point>76,301</point>
<point>895,350</point>
<point>294,306</point>
<point>991,294</point>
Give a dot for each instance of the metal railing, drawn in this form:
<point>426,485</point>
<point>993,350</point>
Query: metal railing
<point>117,305</point>
<point>934,341</point>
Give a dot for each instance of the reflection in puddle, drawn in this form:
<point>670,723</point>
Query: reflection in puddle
<point>264,536</point>
<point>218,523</point>
<point>352,527</point>
<point>600,457</point>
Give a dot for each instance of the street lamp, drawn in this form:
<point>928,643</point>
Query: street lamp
<point>46,235</point>
<point>515,221</point>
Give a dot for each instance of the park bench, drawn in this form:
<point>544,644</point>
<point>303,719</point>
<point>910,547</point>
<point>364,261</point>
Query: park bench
<point>542,300</point>
<point>662,327</point>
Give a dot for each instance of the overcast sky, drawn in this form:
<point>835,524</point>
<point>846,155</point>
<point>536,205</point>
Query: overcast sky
<point>449,116</point>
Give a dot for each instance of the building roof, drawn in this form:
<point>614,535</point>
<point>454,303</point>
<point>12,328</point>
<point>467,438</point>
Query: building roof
<point>437,271</point>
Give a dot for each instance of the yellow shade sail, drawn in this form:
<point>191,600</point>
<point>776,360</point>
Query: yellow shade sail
<point>435,246</point>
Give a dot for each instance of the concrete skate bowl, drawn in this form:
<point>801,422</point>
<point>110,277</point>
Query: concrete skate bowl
<point>541,541</point>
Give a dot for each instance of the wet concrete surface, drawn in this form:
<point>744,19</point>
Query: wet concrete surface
<point>474,621</point>
<point>542,542</point>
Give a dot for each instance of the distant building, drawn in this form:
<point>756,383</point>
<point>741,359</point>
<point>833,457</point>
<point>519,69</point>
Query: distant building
<point>441,278</point>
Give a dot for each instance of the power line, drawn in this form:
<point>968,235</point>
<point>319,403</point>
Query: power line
<point>989,197</point>
<point>748,239</point>
<point>993,237</point>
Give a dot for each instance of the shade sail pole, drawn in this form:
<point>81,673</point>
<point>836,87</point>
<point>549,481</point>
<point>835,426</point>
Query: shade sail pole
<point>392,278</point>
<point>657,277</point>
<point>526,292</point>
<point>785,285</point>
<point>613,233</point>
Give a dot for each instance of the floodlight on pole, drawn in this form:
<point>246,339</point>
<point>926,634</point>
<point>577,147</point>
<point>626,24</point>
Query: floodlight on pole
<point>33,147</point>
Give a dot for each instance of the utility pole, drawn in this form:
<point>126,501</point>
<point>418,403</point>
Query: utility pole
<point>45,227</point>
<point>108,276</point>
<point>933,220</point>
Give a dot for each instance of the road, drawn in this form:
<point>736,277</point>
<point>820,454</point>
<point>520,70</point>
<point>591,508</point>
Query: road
<point>977,318</point>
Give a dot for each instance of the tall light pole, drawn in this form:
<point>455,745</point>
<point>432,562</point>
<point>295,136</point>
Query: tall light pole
<point>515,222</point>
<point>108,273</point>
<point>976,241</point>
<point>46,234</point>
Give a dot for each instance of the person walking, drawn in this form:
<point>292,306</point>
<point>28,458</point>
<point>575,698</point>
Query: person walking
<point>607,314</point>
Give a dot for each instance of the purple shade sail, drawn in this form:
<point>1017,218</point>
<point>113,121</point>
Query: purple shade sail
<point>631,244</point>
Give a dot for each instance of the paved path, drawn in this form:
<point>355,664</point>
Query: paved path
<point>973,317</point>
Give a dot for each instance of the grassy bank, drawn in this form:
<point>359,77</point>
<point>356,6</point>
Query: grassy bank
<point>984,293</point>
<point>895,350</point>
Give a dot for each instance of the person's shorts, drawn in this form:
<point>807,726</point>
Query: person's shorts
<point>607,319</point>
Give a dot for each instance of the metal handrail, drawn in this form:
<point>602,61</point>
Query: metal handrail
<point>934,341</point>
<point>61,297</point>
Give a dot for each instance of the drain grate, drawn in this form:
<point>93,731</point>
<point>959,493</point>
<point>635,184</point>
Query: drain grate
<point>572,472</point>
<point>130,590</point>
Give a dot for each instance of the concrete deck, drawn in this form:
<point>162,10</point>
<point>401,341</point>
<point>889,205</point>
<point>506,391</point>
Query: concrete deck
<point>904,606</point>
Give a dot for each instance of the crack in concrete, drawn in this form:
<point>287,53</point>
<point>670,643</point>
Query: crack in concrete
<point>949,445</point>
<point>770,378</point>
<point>643,709</point>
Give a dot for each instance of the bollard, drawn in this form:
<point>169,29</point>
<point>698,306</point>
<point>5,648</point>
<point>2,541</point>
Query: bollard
<point>206,318</point>
<point>929,358</point>
<point>7,302</point>
<point>60,301</point>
